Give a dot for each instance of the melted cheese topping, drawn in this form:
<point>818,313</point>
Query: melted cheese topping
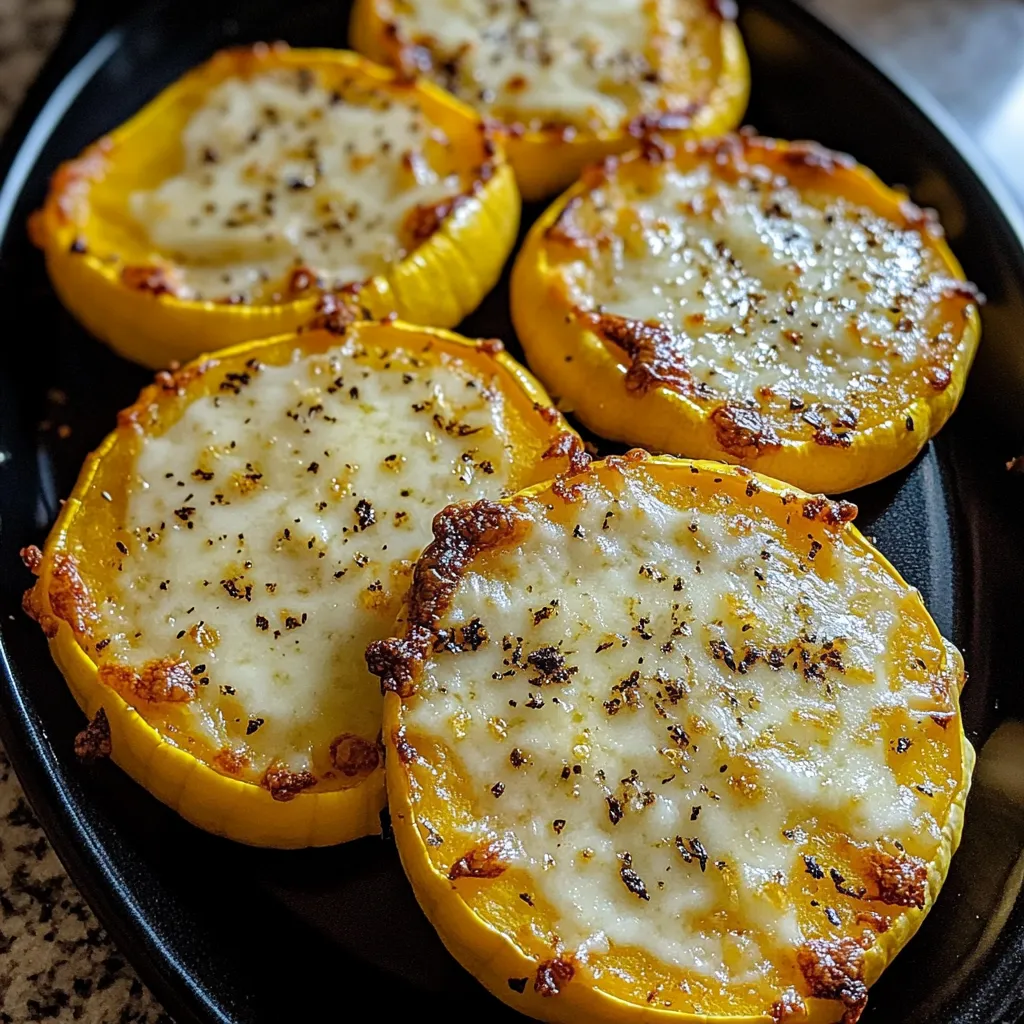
<point>587,63</point>
<point>268,537</point>
<point>281,173</point>
<point>675,708</point>
<point>815,309</point>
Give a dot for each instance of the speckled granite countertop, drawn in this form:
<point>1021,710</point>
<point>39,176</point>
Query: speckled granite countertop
<point>56,963</point>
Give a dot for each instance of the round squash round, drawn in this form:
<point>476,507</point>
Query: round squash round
<point>702,762</point>
<point>127,290</point>
<point>760,302</point>
<point>212,689</point>
<point>688,74</point>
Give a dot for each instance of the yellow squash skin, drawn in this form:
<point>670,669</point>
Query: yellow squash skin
<point>89,238</point>
<point>239,810</point>
<point>588,375</point>
<point>549,159</point>
<point>500,939</point>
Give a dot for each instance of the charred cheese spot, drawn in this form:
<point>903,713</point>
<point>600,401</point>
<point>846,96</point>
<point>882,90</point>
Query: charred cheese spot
<point>236,617</point>
<point>696,750</point>
<point>563,65</point>
<point>93,742</point>
<point>289,185</point>
<point>480,862</point>
<point>771,286</point>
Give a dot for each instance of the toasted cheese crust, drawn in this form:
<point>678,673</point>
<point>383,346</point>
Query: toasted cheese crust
<point>704,755</point>
<point>254,529</point>
<point>564,65</point>
<point>290,184</point>
<point>773,299</point>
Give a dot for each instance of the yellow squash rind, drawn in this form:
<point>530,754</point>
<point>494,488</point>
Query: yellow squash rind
<point>545,162</point>
<point>588,380</point>
<point>215,802</point>
<point>493,958</point>
<point>437,284</point>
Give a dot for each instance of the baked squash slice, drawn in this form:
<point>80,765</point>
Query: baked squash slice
<point>221,211</point>
<point>760,302</point>
<point>231,548</point>
<point>572,81</point>
<point>671,741</point>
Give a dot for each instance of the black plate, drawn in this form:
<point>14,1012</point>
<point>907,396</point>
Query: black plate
<point>226,933</point>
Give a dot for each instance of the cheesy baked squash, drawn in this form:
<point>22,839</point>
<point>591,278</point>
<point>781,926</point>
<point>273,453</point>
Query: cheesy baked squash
<point>671,741</point>
<point>265,177</point>
<point>762,302</point>
<point>571,80</point>
<point>228,552</point>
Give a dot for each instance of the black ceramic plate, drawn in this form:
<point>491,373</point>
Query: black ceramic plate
<point>226,933</point>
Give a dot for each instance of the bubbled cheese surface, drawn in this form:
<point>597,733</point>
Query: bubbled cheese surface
<point>675,708</point>
<point>776,294</point>
<point>268,536</point>
<point>587,63</point>
<point>281,173</point>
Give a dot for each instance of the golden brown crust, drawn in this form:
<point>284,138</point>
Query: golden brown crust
<point>552,976</point>
<point>395,660</point>
<point>283,784</point>
<point>162,680</point>
<point>548,413</point>
<point>646,126</point>
<point>337,311</point>
<point>877,922</point>
<point>492,346</point>
<point>425,219</point>
<point>656,357</point>
<point>70,598</point>
<point>152,279</point>
<point>461,532</point>
<point>566,229</point>
<point>176,380</point>
<point>790,1007</point>
<point>406,751</point>
<point>833,514</point>
<point>354,756</point>
<point>71,183</point>
<point>900,881</point>
<point>230,762</point>
<point>743,432</point>
<point>813,156</point>
<point>301,280</point>
<point>483,861</point>
<point>30,606</point>
<point>835,970</point>
<point>32,557</point>
<point>938,377</point>
<point>568,446</point>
